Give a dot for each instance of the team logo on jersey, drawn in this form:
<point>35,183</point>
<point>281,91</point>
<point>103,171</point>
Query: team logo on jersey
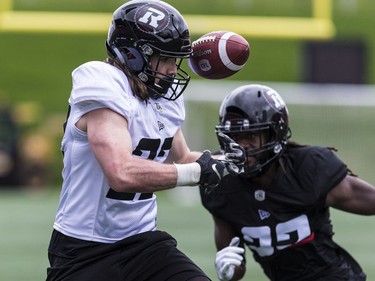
<point>159,107</point>
<point>263,214</point>
<point>151,18</point>
<point>260,195</point>
<point>161,126</point>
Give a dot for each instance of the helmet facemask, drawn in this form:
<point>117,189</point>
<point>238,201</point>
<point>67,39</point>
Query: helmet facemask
<point>158,83</point>
<point>265,152</point>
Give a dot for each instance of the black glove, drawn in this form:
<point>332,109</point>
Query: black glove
<point>211,171</point>
<point>235,155</point>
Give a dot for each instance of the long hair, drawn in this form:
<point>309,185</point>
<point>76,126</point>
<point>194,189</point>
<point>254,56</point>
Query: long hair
<point>138,87</point>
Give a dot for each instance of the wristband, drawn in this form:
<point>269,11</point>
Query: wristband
<point>188,174</point>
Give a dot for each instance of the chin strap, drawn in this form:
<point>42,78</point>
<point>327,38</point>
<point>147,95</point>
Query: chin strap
<point>258,168</point>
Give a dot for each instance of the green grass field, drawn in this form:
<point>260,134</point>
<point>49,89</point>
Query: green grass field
<point>26,218</point>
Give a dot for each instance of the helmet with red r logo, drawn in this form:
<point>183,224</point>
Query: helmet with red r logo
<point>141,29</point>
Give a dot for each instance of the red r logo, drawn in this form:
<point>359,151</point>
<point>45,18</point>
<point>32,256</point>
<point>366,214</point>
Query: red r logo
<point>151,18</point>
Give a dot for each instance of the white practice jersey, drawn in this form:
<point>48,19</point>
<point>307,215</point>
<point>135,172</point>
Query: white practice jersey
<point>85,210</point>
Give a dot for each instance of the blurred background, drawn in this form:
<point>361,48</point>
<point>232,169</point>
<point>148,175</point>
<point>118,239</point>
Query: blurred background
<point>318,54</point>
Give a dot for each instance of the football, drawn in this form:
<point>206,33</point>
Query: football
<point>219,54</point>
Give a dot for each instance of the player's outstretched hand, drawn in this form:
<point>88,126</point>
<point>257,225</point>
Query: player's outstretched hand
<point>234,154</point>
<point>211,171</point>
<point>227,259</point>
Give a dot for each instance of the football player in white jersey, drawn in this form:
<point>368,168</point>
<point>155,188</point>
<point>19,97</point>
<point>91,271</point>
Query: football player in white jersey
<point>122,142</point>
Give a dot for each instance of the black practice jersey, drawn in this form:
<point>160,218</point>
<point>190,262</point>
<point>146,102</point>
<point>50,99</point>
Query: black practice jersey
<point>285,224</point>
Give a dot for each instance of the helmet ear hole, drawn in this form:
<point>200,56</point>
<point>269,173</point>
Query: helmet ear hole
<point>118,54</point>
<point>133,59</point>
<point>130,57</point>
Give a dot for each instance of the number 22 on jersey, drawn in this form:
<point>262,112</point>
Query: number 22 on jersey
<point>265,240</point>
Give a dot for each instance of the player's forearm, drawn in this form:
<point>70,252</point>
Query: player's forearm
<point>148,176</point>
<point>143,176</point>
<point>239,272</point>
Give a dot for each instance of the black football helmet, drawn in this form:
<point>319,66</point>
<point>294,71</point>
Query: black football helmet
<point>256,109</point>
<point>141,28</point>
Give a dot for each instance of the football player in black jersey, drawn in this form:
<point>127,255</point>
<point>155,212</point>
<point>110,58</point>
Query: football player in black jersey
<point>279,206</point>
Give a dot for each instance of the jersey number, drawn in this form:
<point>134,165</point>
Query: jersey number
<point>260,238</point>
<point>152,146</point>
<point>144,145</point>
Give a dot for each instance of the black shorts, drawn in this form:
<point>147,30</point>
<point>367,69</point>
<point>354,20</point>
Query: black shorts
<point>146,256</point>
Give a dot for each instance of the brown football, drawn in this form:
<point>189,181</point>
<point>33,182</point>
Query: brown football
<point>219,54</point>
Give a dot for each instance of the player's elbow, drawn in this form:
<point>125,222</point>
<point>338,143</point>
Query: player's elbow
<point>121,180</point>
